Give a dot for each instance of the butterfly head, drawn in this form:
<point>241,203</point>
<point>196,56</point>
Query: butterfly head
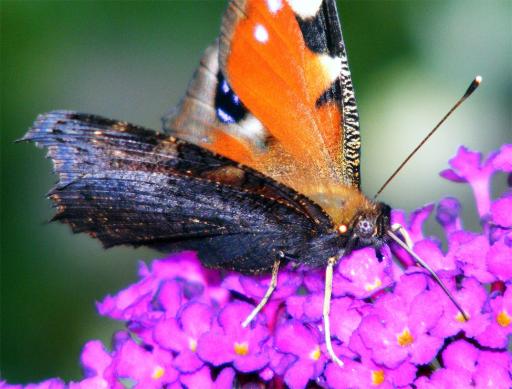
<point>368,227</point>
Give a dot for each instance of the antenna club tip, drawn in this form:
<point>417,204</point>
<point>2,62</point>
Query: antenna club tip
<point>474,84</point>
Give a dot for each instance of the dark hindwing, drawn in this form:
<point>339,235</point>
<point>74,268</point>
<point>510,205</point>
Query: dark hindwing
<point>125,184</point>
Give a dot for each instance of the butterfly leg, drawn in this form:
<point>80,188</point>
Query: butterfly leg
<point>327,308</point>
<point>268,293</point>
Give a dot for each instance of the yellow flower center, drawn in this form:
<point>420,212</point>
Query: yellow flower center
<point>405,338</point>
<point>376,283</point>
<point>192,344</point>
<point>503,318</point>
<point>315,353</point>
<point>242,348</point>
<point>377,377</point>
<point>461,318</point>
<point>158,372</point>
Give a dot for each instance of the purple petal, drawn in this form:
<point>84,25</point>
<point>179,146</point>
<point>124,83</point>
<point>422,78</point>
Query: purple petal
<point>499,326</point>
<point>196,319</point>
<point>499,260</point>
<point>168,334</point>
<point>90,383</point>
<point>472,255</point>
<point>298,375</point>
<point>314,280</point>
<point>352,375</point>
<point>295,306</point>
<point>410,285</point>
<point>149,369</point>
<point>424,348</point>
<point>448,214</point>
<point>53,383</point>
<point>445,379</point>
<point>344,318</point>
<point>200,379</point>
<point>503,160</point>
<point>432,254</point>
<point>294,338</point>
<point>287,283</point>
<point>472,298</point>
<point>313,307</point>
<point>232,342</point>
<point>413,224</point>
<point>417,219</point>
<point>468,165</point>
<point>361,275</point>
<point>460,354</point>
<point>251,362</point>
<point>501,212</point>
<point>129,303</point>
<point>94,359</point>
<point>225,379</point>
<point>203,379</point>
<point>267,374</point>
<point>187,361</point>
<point>184,265</point>
<point>382,342</point>
<point>493,370</point>
<point>450,175</point>
<point>401,376</point>
<point>215,347</point>
<point>231,317</point>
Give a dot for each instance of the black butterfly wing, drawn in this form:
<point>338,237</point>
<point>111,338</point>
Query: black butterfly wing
<point>125,184</point>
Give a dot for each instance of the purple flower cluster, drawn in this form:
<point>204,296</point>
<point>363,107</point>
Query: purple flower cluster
<point>392,326</point>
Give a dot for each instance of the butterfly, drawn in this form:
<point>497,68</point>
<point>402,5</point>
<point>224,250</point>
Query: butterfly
<point>258,166</point>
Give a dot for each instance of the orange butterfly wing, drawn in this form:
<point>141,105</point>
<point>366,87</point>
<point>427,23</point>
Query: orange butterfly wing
<point>286,63</point>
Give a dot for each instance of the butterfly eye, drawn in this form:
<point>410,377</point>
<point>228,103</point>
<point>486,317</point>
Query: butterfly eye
<point>365,228</point>
<point>342,228</point>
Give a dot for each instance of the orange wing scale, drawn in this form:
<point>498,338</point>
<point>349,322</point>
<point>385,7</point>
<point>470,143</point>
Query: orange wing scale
<point>232,147</point>
<point>280,79</point>
<point>287,135</point>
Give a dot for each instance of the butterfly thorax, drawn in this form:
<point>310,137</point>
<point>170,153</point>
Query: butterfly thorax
<point>342,202</point>
<point>355,217</point>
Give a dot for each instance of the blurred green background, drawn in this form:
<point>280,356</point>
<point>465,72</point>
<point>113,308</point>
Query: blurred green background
<point>131,60</point>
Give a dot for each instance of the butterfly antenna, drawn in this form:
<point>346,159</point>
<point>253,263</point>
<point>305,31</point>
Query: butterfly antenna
<point>474,84</point>
<point>430,270</point>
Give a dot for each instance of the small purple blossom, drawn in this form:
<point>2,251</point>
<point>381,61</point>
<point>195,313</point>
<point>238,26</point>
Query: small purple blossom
<point>229,342</point>
<point>472,296</point>
<point>361,276</point>
<point>467,166</point>
<point>499,325</point>
<point>182,333</point>
<point>363,372</point>
<point>398,330</point>
<point>448,212</point>
<point>390,323</point>
<point>309,360</point>
<point>468,366</point>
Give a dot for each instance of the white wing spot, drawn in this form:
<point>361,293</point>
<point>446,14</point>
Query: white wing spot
<point>274,5</point>
<point>252,128</point>
<point>225,86</point>
<point>260,33</point>
<point>305,8</point>
<point>331,65</point>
